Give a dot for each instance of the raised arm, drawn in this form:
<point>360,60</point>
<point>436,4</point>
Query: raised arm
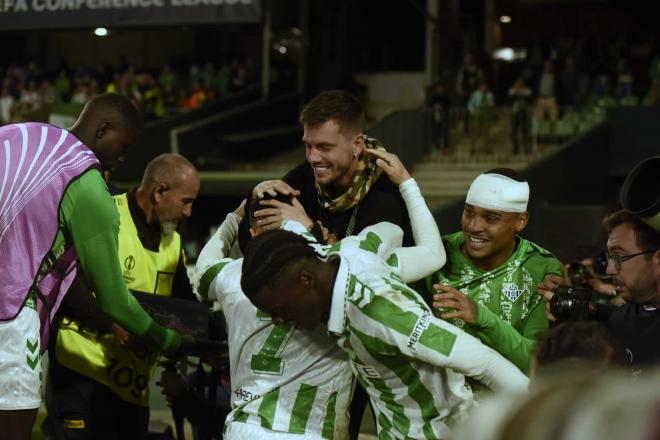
<point>428,255</point>
<point>215,250</point>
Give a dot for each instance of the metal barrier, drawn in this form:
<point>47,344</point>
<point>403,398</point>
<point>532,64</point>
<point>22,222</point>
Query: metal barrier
<point>532,131</point>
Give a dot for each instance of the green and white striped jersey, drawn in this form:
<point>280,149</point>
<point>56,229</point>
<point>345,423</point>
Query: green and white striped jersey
<point>283,380</point>
<point>253,337</point>
<point>411,363</point>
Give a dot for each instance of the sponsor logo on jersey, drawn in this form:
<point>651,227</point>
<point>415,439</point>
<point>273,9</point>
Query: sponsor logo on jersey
<point>421,325</point>
<point>512,291</point>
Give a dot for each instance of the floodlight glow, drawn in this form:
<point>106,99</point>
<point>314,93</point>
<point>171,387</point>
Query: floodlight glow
<point>100,32</point>
<point>504,54</point>
<point>505,19</point>
<point>282,49</point>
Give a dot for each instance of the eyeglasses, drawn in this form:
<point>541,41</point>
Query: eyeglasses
<point>619,259</point>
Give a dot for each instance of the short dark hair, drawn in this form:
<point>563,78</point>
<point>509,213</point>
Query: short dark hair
<point>254,204</point>
<point>120,106</point>
<point>336,105</point>
<point>507,172</point>
<point>584,341</point>
<point>269,256</point>
<point>251,206</point>
<point>646,237</point>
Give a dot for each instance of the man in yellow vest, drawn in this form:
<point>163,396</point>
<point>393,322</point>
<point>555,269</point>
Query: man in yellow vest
<point>100,378</point>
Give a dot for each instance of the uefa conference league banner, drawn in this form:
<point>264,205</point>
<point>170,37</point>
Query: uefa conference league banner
<point>53,14</point>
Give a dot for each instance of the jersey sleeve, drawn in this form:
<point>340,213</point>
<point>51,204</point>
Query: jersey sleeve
<point>498,334</point>
<point>90,218</point>
<point>428,254</point>
<point>516,346</point>
<point>400,320</point>
<point>215,250</point>
<point>220,285</point>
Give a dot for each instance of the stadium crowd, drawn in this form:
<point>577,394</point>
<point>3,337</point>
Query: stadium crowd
<point>29,91</point>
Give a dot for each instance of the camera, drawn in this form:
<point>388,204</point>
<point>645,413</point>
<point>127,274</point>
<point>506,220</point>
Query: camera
<point>579,275</point>
<point>572,303</point>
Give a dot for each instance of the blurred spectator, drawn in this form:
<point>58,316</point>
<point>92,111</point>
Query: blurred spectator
<point>47,93</point>
<point>438,102</point>
<point>80,95</point>
<point>63,86</point>
<point>29,98</point>
<point>6,106</point>
<point>167,77</point>
<point>237,75</point>
<point>481,105</point>
<point>196,98</point>
<point>152,96</point>
<point>569,83</point>
<point>546,102</point>
<point>521,97</point>
<point>468,78</point>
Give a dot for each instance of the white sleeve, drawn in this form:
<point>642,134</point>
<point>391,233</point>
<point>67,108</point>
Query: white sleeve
<point>428,254</point>
<point>381,239</point>
<point>437,342</point>
<point>474,359</point>
<point>217,248</point>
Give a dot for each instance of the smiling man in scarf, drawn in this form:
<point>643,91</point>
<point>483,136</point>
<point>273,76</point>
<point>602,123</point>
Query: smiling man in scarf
<point>340,187</point>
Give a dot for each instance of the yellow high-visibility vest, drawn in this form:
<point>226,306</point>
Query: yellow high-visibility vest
<point>99,356</point>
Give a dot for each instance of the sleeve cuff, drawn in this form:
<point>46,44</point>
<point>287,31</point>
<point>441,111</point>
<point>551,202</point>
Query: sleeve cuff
<point>485,318</point>
<point>408,185</point>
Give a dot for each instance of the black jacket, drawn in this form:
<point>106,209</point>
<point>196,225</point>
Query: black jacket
<point>383,203</point>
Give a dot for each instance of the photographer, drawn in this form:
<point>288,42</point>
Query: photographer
<point>587,271</point>
<point>633,250</point>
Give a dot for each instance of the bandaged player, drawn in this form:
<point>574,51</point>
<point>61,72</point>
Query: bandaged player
<point>488,286</point>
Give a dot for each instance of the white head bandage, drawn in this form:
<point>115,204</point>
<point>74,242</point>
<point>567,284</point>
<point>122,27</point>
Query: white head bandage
<point>501,193</point>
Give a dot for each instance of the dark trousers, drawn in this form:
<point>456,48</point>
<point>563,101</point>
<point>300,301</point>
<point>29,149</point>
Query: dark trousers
<point>82,409</point>
<point>520,126</point>
<point>440,131</point>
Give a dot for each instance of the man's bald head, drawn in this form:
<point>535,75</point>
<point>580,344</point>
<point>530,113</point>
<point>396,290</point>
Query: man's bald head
<point>169,168</point>
<point>169,187</point>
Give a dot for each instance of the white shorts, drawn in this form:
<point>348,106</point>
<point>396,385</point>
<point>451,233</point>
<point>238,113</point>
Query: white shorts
<point>20,362</point>
<point>242,431</point>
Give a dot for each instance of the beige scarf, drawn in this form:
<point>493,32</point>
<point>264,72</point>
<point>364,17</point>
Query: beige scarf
<point>366,174</point>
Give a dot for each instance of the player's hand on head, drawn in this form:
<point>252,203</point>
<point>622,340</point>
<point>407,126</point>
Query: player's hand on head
<point>274,187</point>
<point>460,305</point>
<point>390,164</point>
<point>276,212</point>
